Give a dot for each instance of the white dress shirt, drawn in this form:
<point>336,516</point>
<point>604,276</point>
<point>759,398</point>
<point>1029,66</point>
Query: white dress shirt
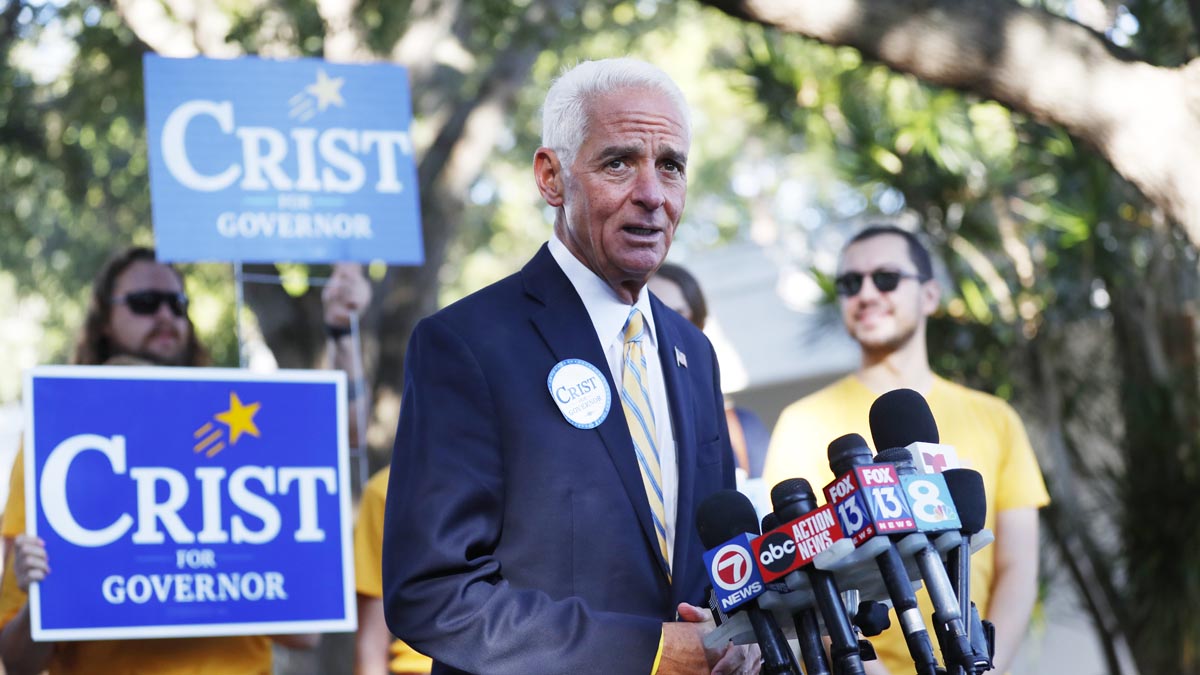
<point>609,314</point>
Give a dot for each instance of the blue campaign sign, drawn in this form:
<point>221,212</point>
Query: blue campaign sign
<point>258,160</point>
<point>185,502</point>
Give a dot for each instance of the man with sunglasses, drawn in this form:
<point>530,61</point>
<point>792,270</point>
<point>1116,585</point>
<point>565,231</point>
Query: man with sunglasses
<point>886,292</point>
<point>138,316</point>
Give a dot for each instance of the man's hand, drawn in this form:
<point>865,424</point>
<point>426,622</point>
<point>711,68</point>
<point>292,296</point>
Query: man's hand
<point>684,652</point>
<point>29,560</point>
<point>734,659</point>
<point>346,294</point>
<point>20,654</point>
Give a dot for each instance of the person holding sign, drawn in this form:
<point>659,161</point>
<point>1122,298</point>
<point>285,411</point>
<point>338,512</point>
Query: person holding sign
<point>137,316</point>
<point>559,428</point>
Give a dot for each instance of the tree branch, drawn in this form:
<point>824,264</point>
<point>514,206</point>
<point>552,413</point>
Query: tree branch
<point>447,168</point>
<point>1084,582</point>
<point>1143,119</point>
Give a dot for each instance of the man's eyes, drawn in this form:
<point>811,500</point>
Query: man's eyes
<point>669,165</point>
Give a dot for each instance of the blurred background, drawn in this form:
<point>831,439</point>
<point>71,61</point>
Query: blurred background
<point>1047,151</point>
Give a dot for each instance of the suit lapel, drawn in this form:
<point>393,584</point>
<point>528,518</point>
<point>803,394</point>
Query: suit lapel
<point>566,328</point>
<point>679,397</point>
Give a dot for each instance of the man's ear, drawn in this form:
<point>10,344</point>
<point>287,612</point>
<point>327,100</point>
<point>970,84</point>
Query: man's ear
<point>931,295</point>
<point>547,171</point>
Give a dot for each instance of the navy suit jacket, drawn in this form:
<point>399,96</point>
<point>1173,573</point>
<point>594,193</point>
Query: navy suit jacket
<point>515,542</point>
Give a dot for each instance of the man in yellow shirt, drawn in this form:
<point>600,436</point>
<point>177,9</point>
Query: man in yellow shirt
<point>138,315</point>
<point>887,292</point>
<point>371,643</point>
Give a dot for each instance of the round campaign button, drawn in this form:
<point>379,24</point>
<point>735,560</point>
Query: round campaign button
<point>581,392</point>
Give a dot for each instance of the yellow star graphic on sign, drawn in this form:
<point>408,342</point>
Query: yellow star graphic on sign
<point>239,418</point>
<point>328,90</point>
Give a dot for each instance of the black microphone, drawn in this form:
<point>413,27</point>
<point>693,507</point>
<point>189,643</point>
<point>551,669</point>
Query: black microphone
<point>769,522</point>
<point>902,421</point>
<point>808,626</point>
<point>722,516</point>
<point>901,418</point>
<point>845,453</point>
<point>967,491</point>
<point>792,499</point>
<point>947,615</point>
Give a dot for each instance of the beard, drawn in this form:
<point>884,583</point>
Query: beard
<point>146,355</point>
<point>880,347</point>
<point>179,358</point>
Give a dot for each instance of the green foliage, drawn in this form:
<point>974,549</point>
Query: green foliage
<point>507,221</point>
<point>257,27</point>
<point>1065,291</point>
<point>73,152</point>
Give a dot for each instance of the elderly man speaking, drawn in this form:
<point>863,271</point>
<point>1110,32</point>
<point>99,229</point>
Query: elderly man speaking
<point>559,427</point>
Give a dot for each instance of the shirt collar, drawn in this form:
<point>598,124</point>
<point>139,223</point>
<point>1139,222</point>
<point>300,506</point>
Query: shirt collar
<point>607,311</point>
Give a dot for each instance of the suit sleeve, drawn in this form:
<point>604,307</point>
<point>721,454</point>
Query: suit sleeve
<point>728,475</point>
<point>444,589</point>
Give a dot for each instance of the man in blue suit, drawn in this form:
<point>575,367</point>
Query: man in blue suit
<point>559,428</point>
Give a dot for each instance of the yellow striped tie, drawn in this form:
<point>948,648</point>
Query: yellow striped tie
<point>635,398</point>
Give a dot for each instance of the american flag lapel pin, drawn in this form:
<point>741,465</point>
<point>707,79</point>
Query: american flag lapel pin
<point>680,358</point>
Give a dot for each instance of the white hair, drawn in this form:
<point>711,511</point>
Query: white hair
<point>565,111</point>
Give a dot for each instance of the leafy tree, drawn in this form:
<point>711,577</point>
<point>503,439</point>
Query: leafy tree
<point>1071,292</point>
<point>1072,283</point>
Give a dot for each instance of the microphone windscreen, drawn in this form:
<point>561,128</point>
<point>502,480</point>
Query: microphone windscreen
<point>846,452</point>
<point>894,456</point>
<point>770,522</point>
<point>792,498</point>
<point>901,417</point>
<point>970,498</point>
<point>724,515</point>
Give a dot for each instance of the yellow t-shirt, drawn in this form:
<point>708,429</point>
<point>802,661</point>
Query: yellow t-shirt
<point>984,430</point>
<point>368,566</point>
<point>235,655</point>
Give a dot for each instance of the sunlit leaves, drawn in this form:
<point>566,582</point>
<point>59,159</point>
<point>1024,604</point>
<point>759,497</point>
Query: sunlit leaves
<point>1074,226</point>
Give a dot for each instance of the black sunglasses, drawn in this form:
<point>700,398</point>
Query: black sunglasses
<point>850,283</point>
<point>145,303</point>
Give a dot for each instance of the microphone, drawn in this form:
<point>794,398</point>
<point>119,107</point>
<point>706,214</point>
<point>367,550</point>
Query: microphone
<point>947,616</point>
<point>966,489</point>
<point>793,499</point>
<point>727,523</point>
<point>901,418</point>
<point>808,626</point>
<point>769,522</point>
<point>845,455</point>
